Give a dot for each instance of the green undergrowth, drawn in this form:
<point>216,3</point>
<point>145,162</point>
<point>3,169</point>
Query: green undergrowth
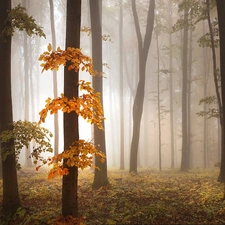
<point>149,197</point>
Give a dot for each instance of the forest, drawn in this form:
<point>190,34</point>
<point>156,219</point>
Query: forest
<point>111,112</point>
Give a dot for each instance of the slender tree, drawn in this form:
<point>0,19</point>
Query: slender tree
<point>185,150</point>
<point>55,85</point>
<point>143,48</point>
<point>171,86</point>
<point>158,92</point>
<point>100,177</point>
<point>122,167</point>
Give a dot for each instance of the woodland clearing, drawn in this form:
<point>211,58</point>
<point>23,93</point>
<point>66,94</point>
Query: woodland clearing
<point>149,197</point>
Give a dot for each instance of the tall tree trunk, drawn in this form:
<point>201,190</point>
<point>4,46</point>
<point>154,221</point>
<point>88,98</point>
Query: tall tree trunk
<point>216,82</point>
<point>122,167</point>
<point>28,160</point>
<point>171,87</point>
<point>71,134</point>
<point>189,101</point>
<point>205,129</point>
<point>11,201</point>
<point>158,96</point>
<point>55,85</point>
<point>185,150</point>
<point>100,177</point>
<point>221,22</point>
<point>143,49</point>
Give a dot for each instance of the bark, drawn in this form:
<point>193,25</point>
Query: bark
<point>71,134</point>
<point>100,177</point>
<point>221,22</point>
<point>11,201</point>
<point>143,49</point>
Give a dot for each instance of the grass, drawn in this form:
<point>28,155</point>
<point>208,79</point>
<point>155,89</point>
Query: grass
<point>149,197</point>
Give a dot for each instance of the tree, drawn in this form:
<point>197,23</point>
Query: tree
<point>70,120</point>
<point>221,23</point>
<point>77,153</point>
<point>171,87</point>
<point>11,201</point>
<point>185,150</point>
<point>100,178</point>
<point>55,85</point>
<point>143,48</point>
<point>122,166</point>
<point>10,19</point>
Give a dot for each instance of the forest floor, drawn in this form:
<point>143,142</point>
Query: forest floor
<point>149,197</point>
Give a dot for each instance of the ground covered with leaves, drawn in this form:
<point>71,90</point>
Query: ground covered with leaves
<point>149,197</point>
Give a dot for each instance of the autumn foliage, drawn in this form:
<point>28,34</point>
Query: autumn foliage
<point>88,106</point>
<point>53,59</point>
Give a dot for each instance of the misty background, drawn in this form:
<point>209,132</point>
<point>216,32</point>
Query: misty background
<point>31,87</point>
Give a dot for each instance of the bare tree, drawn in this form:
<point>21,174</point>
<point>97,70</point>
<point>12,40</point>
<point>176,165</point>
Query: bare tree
<point>143,48</point>
<point>100,178</point>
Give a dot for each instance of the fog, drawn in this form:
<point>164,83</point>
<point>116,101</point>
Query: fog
<point>30,92</point>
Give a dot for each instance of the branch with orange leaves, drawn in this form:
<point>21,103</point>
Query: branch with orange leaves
<point>87,105</point>
<point>80,155</point>
<point>53,59</point>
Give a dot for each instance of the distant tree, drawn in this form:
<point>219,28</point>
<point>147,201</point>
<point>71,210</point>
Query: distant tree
<point>143,48</point>
<point>54,78</point>
<point>171,86</point>
<point>157,32</point>
<point>121,27</point>
<point>27,89</point>
<point>185,149</point>
<point>100,177</point>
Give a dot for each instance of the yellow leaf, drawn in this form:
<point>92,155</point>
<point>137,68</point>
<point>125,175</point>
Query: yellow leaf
<point>49,47</point>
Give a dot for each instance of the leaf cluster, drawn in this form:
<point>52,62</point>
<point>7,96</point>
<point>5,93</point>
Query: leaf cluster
<point>80,155</point>
<point>23,133</point>
<point>88,105</point>
<point>53,59</point>
<point>205,40</point>
<point>18,19</point>
<point>197,11</point>
<point>210,112</point>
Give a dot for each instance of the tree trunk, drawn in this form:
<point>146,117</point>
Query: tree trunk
<point>71,134</point>
<point>100,177</point>
<point>55,85</point>
<point>143,49</point>
<point>171,88</point>
<point>221,22</point>
<point>190,159</point>
<point>122,167</point>
<point>206,75</point>
<point>158,97</point>
<point>11,201</point>
<point>185,150</point>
